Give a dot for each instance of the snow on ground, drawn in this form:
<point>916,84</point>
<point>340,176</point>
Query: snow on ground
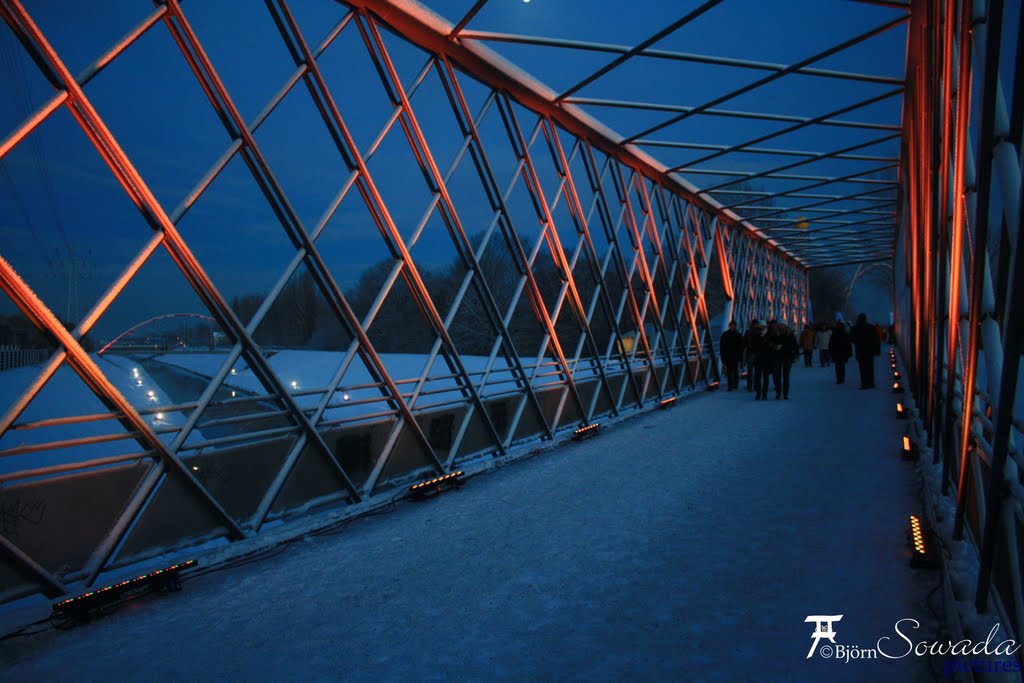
<point>67,395</point>
<point>313,370</point>
<point>687,544</point>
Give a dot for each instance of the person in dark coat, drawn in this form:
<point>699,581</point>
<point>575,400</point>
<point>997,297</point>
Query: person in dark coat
<point>763,355</point>
<point>771,339</point>
<point>807,340</point>
<point>749,341</point>
<point>839,351</point>
<point>865,337</point>
<point>784,352</point>
<point>730,348</point>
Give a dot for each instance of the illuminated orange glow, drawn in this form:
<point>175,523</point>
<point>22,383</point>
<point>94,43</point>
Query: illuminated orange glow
<point>906,443</point>
<point>915,530</point>
<point>436,480</point>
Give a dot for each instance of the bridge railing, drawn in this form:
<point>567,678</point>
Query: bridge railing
<point>17,357</point>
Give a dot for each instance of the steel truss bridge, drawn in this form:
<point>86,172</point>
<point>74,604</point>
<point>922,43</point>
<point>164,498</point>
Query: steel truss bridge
<point>596,256</point>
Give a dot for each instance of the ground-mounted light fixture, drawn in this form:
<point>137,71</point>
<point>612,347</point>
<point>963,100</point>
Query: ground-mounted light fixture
<point>924,554</point>
<point>910,450</point>
<point>585,432</point>
<point>432,487</point>
<point>93,602</point>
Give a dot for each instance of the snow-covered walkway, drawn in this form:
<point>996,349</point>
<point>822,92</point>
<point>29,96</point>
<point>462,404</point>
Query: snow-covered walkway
<point>685,545</point>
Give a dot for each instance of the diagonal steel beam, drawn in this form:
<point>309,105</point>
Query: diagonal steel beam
<point>590,253</point>
<point>853,177</point>
<point>183,34</point>
<point>830,199</point>
<point>773,77</point>
<point>466,18</point>
<point>726,113</point>
<point>428,31</point>
<point>760,150</point>
<point>52,586</point>
<point>94,127</point>
<point>817,265</point>
<point>671,28</point>
<point>836,214</point>
<point>428,165</point>
<point>821,156</point>
<point>797,126</point>
<point>498,37</point>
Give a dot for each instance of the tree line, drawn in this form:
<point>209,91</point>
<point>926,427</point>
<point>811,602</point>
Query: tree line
<point>302,318</point>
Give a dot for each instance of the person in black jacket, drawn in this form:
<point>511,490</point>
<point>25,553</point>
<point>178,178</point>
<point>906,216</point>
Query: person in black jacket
<point>730,348</point>
<point>839,351</point>
<point>763,355</point>
<point>784,351</point>
<point>865,337</point>
<point>749,340</point>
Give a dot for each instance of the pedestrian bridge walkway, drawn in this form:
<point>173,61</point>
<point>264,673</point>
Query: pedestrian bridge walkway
<point>685,544</point>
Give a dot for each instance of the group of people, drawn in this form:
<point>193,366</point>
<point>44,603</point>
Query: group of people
<point>769,351</point>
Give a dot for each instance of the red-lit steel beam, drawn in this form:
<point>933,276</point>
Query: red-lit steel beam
<point>422,27</point>
<point>945,131</point>
<point>957,227</point>
<point>34,309</point>
<point>986,144</point>
<point>926,126</point>
<point>580,222</point>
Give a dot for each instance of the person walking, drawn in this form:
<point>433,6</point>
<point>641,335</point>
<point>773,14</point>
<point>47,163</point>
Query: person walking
<point>807,342</point>
<point>823,336</point>
<point>786,350</point>
<point>839,350</point>
<point>730,348</point>
<point>774,347</point>
<point>865,337</point>
<point>749,342</point>
<point>762,354</point>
